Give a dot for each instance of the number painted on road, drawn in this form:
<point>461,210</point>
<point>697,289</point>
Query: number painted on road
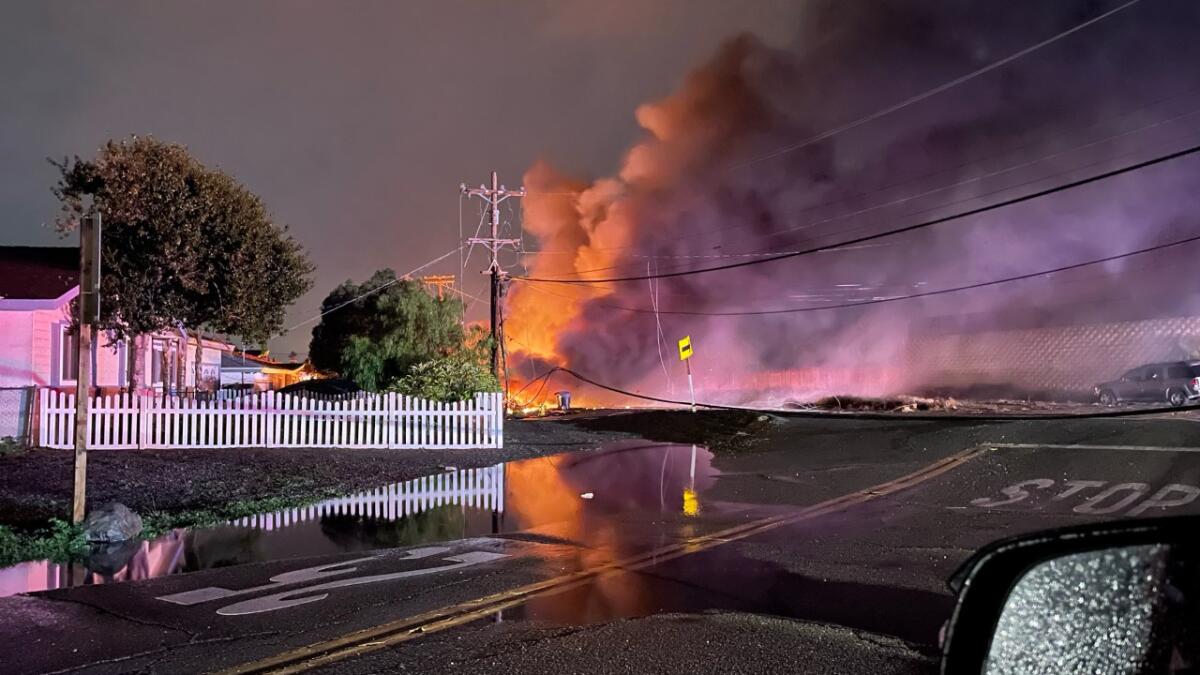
<point>302,596</point>
<point>1093,497</point>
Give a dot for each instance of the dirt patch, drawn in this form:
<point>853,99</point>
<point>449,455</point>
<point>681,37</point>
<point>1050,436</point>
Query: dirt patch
<point>722,431</point>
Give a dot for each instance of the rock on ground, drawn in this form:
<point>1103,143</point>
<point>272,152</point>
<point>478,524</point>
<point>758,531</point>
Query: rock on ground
<point>112,522</point>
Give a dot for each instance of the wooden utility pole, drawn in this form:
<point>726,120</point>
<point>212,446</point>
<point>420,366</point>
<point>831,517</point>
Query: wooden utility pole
<point>89,313</point>
<point>493,196</point>
<point>440,282</point>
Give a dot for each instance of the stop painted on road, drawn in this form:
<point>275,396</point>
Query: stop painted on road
<point>1092,497</point>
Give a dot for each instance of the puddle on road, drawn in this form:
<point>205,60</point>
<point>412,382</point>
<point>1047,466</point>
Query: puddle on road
<point>721,579</point>
<point>577,490</point>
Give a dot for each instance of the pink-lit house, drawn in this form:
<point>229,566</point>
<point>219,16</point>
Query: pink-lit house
<point>37,348</point>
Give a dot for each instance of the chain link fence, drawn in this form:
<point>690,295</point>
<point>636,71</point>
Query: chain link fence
<point>16,413</point>
<point>1061,359</point>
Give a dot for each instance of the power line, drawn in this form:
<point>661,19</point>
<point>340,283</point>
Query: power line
<point>958,167</point>
<point>819,294</point>
<point>916,98</point>
<point>879,416</point>
<point>909,228</point>
<point>977,179</point>
<point>895,202</point>
<point>929,93</point>
<point>925,294</point>
<point>478,228</point>
<point>537,396</point>
<point>473,298</point>
<point>436,260</point>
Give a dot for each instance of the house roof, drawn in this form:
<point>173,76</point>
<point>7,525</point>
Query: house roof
<point>285,366</point>
<point>38,272</point>
<point>234,360</point>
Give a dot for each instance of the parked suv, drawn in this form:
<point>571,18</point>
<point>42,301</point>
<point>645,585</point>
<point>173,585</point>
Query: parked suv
<point>1177,383</point>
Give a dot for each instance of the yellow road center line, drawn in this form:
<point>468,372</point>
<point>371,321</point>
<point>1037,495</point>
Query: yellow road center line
<point>394,632</point>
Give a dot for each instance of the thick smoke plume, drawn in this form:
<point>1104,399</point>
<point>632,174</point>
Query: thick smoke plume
<point>690,194</point>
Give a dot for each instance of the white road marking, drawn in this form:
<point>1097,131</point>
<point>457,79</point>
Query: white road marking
<point>303,596</point>
<point>1169,496</point>
<point>1015,493</point>
<point>1058,446</point>
<point>283,599</point>
<point>1134,492</point>
<point>199,595</point>
<point>1075,486</point>
<point>1159,500</point>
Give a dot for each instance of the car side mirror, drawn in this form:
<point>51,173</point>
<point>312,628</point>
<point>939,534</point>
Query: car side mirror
<point>1108,598</point>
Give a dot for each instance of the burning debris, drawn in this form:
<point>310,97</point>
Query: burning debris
<point>897,404</point>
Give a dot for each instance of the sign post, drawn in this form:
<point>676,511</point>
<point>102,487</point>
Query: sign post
<point>89,313</point>
<point>685,355</point>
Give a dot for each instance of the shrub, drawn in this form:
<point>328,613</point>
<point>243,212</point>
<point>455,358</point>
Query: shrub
<point>447,378</point>
<point>12,446</point>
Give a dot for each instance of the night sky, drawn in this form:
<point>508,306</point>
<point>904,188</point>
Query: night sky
<point>355,122</point>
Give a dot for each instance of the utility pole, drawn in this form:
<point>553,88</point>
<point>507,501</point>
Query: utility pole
<point>440,282</point>
<point>89,313</point>
<point>493,196</point>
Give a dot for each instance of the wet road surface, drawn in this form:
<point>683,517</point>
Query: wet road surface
<point>613,552</point>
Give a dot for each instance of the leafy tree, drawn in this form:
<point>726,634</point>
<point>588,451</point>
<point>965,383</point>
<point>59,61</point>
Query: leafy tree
<point>375,336</point>
<point>183,245</point>
<point>256,268</point>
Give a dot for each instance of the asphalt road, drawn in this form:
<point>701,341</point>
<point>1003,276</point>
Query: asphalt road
<point>825,549</point>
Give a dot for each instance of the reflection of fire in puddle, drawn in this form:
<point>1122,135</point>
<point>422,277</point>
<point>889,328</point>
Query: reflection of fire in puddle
<point>535,493</point>
<point>631,477</point>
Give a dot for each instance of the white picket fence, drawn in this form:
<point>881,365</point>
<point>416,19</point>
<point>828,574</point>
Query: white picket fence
<point>273,420</point>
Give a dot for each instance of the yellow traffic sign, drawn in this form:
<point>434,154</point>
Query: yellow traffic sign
<point>685,348</point>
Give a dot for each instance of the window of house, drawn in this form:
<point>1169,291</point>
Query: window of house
<point>68,355</point>
<point>157,349</point>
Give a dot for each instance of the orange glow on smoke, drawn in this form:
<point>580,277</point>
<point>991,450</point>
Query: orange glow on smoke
<point>578,233</point>
<point>590,230</point>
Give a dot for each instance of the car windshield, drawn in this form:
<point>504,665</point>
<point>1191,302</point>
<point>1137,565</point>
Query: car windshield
<point>579,335</point>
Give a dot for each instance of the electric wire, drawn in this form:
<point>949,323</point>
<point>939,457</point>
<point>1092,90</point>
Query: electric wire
<point>355,299</point>
<point>889,233</point>
<point>898,298</point>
